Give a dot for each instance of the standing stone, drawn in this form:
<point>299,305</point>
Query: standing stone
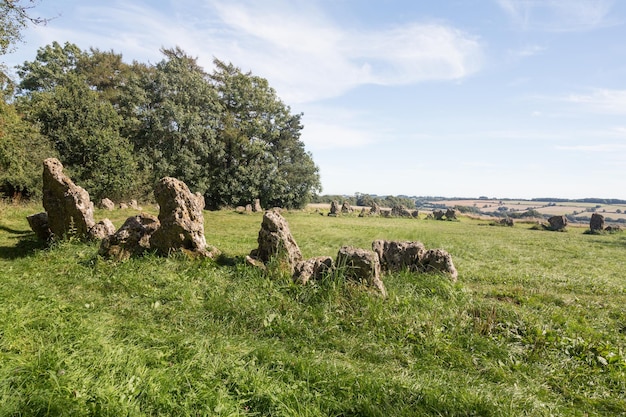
<point>275,240</point>
<point>248,208</point>
<point>132,239</point>
<point>557,223</point>
<point>375,210</point>
<point>451,214</point>
<point>313,268</point>
<point>257,206</point>
<point>68,206</point>
<point>438,214</point>
<point>395,256</point>
<point>39,224</point>
<point>345,208</point>
<point>362,213</point>
<point>438,260</point>
<point>133,204</point>
<point>123,206</point>
<point>102,230</point>
<point>362,266</point>
<point>507,221</point>
<point>596,224</point>
<point>106,204</point>
<point>334,208</point>
<point>182,221</point>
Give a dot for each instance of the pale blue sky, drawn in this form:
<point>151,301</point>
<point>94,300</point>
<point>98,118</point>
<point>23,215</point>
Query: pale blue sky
<point>502,98</point>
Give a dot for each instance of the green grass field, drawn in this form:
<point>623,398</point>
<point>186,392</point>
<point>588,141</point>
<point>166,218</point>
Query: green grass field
<point>535,326</point>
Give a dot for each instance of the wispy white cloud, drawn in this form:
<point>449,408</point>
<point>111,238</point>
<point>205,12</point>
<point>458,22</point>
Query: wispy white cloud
<point>601,147</point>
<point>601,100</point>
<point>558,15</point>
<point>527,51</point>
<point>305,54</point>
<point>311,57</point>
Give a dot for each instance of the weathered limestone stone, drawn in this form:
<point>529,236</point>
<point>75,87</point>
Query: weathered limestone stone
<point>102,230</point>
<point>395,256</point>
<point>596,224</point>
<point>401,211</point>
<point>451,214</point>
<point>613,229</point>
<point>123,206</point>
<point>507,221</point>
<point>363,212</point>
<point>438,214</point>
<point>240,209</point>
<point>132,239</point>
<point>361,265</point>
<point>438,260</point>
<point>182,221</point>
<point>275,240</point>
<point>313,268</point>
<point>133,204</point>
<point>345,208</point>
<point>334,208</point>
<point>255,262</point>
<point>39,224</point>
<point>68,206</point>
<point>557,223</point>
<point>106,204</point>
<point>248,208</point>
<point>257,206</point>
<point>375,210</point>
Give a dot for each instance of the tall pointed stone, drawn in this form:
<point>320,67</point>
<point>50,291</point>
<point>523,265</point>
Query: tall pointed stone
<point>70,211</point>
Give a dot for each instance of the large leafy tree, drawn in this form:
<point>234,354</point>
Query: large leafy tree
<point>262,142</point>
<point>171,114</point>
<point>85,131</point>
<point>22,148</point>
<point>83,126</point>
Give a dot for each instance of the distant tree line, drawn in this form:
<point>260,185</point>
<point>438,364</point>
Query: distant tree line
<point>118,127</point>
<point>367,200</point>
<point>581,200</point>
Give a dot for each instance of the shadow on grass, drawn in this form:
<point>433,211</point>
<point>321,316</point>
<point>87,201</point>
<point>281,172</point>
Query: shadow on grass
<point>225,260</point>
<point>14,231</point>
<point>26,246</point>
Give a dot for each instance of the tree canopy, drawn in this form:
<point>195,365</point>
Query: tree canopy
<point>119,127</point>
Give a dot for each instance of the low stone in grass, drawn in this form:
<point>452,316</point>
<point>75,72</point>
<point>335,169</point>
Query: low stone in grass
<point>362,266</point>
<point>345,208</point>
<point>438,214</point>
<point>557,223</point>
<point>276,241</point>
<point>507,221</point>
<point>39,224</point>
<point>596,224</point>
<point>395,256</point>
<point>106,204</point>
<point>102,230</point>
<point>132,239</point>
<point>438,260</point>
<point>451,214</point>
<point>312,269</point>
<point>334,209</point>
<point>375,210</point>
<point>256,207</point>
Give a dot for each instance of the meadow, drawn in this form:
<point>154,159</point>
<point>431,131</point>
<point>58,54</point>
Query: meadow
<point>535,325</point>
